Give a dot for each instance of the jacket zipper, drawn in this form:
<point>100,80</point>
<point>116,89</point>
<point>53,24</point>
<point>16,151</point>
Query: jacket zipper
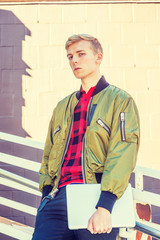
<point>83,143</point>
<point>66,146</point>
<point>122,126</point>
<point>103,125</point>
<point>67,143</point>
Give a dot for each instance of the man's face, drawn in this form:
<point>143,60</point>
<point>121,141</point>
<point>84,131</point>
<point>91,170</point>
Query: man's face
<point>82,59</point>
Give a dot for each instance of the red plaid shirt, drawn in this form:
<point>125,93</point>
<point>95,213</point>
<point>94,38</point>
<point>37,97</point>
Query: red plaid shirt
<point>71,171</point>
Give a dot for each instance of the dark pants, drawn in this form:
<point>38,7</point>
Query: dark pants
<point>51,222</point>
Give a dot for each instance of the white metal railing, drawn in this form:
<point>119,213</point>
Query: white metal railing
<point>15,230</point>
<point>22,141</point>
<point>23,184</point>
<point>81,2</point>
<point>138,192</point>
<point>8,227</point>
<point>148,229</point>
<point>19,162</point>
<point>142,196</point>
<point>15,181</point>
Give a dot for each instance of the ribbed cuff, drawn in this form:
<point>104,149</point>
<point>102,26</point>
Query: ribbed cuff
<point>46,190</point>
<point>107,200</point>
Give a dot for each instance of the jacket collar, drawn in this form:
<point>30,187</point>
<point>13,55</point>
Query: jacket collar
<point>102,83</point>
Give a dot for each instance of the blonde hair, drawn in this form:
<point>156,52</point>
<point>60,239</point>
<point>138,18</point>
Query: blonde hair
<point>95,44</point>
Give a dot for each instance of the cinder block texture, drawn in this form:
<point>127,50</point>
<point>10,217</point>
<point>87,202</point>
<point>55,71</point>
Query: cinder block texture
<point>6,56</point>
<point>9,38</point>
<point>60,33</point>
<point>135,79</point>
<point>154,76</point>
<point>26,13</point>
<point>74,13</point>
<point>121,12</point>
<point>153,34</point>
<point>39,36</point>
<point>49,14</point>
<point>112,33</point>
<point>147,56</point>
<point>145,13</point>
<point>32,64</point>
<point>133,33</point>
<point>122,55</point>
<point>97,14</point>
<point>35,73</point>
<point>6,14</point>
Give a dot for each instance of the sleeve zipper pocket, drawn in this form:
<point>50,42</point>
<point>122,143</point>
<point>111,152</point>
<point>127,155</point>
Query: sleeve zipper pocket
<point>122,126</point>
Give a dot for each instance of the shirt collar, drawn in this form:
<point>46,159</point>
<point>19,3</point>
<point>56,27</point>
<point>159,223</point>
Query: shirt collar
<point>89,93</point>
<point>99,87</point>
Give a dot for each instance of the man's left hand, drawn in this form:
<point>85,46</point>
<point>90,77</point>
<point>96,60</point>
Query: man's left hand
<point>100,221</point>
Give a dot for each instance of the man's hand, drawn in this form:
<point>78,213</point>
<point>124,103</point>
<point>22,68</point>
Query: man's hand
<point>100,222</point>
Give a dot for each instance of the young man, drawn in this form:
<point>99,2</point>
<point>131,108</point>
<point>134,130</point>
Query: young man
<point>93,137</point>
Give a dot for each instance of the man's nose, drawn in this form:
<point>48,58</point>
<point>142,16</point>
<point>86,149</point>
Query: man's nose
<point>74,59</point>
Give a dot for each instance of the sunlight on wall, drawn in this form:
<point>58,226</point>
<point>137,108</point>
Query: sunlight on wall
<point>130,36</point>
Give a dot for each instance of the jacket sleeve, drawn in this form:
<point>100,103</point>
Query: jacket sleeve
<point>122,153</point>
<point>44,178</point>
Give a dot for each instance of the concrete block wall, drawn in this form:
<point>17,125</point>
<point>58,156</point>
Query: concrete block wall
<point>35,74</point>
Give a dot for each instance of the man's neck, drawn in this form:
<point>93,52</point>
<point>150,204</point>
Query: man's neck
<point>87,83</point>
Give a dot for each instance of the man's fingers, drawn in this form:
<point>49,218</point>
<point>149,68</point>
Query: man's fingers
<point>96,230</point>
<point>100,222</point>
<point>109,229</point>
<point>90,227</point>
<point>103,230</point>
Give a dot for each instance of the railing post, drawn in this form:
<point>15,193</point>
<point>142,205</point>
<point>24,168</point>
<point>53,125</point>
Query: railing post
<point>126,233</point>
<point>138,180</point>
<point>143,210</point>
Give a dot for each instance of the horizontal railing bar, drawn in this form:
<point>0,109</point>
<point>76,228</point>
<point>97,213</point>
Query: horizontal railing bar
<point>148,197</point>
<point>80,2</point>
<point>15,229</point>
<point>18,206</point>
<point>19,186</point>
<point>19,162</point>
<point>19,179</point>
<point>149,172</point>
<point>12,231</point>
<point>21,140</point>
<point>145,228</point>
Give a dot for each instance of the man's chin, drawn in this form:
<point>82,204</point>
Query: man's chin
<point>78,76</point>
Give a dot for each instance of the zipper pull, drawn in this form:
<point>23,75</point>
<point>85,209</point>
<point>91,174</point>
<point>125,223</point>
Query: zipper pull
<point>53,194</point>
<point>122,116</point>
<point>55,131</point>
<point>100,122</point>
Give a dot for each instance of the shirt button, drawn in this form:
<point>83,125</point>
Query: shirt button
<point>85,99</point>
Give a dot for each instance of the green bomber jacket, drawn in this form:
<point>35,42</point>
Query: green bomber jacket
<point>110,144</point>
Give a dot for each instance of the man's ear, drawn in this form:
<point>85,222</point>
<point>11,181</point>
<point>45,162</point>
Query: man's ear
<point>99,57</point>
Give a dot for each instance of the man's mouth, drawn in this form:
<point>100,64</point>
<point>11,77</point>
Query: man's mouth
<point>77,69</point>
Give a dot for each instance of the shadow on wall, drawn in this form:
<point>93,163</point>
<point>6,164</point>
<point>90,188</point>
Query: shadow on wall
<point>12,67</point>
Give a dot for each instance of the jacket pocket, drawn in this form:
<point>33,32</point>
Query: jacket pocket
<point>128,128</point>
<point>104,126</point>
<point>122,126</point>
<point>54,132</point>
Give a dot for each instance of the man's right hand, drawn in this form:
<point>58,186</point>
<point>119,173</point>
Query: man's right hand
<point>100,221</point>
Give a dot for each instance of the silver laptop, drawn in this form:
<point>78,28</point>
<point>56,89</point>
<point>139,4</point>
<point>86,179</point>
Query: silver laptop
<point>81,202</point>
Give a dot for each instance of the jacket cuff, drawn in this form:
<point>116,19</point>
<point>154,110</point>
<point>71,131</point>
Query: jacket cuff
<point>46,190</point>
<point>107,200</point>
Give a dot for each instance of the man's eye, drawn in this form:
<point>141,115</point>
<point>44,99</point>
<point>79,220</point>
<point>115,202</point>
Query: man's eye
<point>81,54</point>
<point>70,57</point>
